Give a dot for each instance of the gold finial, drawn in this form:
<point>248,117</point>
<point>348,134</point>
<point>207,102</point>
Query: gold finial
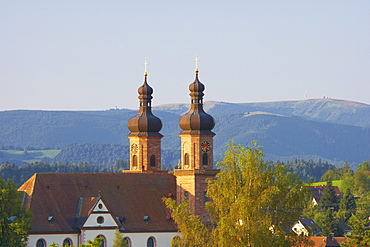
<point>196,63</point>
<point>145,67</point>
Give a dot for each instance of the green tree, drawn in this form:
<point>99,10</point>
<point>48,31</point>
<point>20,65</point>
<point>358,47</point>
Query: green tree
<point>347,205</point>
<point>95,243</point>
<point>252,204</point>
<point>362,179</point>
<point>360,235</point>
<point>330,225</point>
<point>329,198</point>
<point>118,240</point>
<point>14,217</point>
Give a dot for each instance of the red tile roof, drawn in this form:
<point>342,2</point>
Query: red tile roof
<point>129,195</point>
<point>327,241</point>
<point>318,190</point>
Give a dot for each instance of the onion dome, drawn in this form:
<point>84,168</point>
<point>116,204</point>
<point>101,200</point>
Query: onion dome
<point>197,121</point>
<point>145,123</point>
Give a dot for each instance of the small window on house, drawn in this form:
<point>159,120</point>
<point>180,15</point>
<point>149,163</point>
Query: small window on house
<point>186,159</point>
<point>100,206</point>
<point>152,160</point>
<point>205,159</point>
<point>100,220</point>
<point>103,240</point>
<point>126,242</point>
<point>40,243</point>
<point>151,242</point>
<point>67,242</point>
<point>134,160</point>
<point>186,195</point>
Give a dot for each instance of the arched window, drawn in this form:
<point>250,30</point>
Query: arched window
<point>205,159</point>
<point>186,159</point>
<point>150,242</point>
<point>67,242</point>
<point>40,243</point>
<point>134,160</point>
<point>103,240</point>
<point>126,242</point>
<point>152,160</point>
<point>176,240</point>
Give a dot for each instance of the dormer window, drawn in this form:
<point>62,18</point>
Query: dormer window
<point>51,220</point>
<point>146,219</point>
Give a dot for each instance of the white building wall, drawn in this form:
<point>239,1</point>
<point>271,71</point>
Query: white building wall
<point>108,220</point>
<point>162,239</point>
<point>91,234</point>
<point>52,238</point>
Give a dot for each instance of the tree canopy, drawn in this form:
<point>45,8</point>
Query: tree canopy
<point>14,218</point>
<point>253,204</point>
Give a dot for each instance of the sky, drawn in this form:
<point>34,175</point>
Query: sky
<point>89,54</point>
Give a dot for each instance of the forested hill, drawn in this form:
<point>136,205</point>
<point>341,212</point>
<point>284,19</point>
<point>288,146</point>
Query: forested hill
<point>323,110</point>
<point>329,129</point>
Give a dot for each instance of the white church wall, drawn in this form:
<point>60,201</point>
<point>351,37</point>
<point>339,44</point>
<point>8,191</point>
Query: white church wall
<point>92,221</point>
<point>52,238</point>
<point>108,234</point>
<point>162,239</point>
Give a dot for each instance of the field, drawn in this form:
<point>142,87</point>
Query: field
<point>28,156</point>
<point>335,183</point>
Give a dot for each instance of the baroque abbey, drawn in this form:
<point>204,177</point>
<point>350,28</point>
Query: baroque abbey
<point>69,209</point>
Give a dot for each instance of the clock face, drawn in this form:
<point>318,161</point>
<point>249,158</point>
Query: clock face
<point>134,148</point>
<point>205,146</point>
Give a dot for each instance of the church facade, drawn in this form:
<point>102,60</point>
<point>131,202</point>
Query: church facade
<point>69,209</point>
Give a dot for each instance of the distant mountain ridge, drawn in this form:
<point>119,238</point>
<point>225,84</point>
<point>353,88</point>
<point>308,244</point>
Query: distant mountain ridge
<point>325,110</point>
<point>327,129</point>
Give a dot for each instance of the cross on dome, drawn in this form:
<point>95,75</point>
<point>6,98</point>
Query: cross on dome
<point>145,67</point>
<point>196,63</point>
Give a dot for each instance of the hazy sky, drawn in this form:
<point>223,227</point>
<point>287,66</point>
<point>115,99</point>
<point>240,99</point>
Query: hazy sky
<point>90,54</point>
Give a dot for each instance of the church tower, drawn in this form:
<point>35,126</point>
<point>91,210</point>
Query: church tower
<point>196,152</point>
<point>145,139</point>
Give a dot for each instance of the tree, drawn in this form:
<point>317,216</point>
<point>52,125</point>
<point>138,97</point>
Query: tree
<point>252,204</point>
<point>118,240</point>
<point>360,235</point>
<point>95,243</point>
<point>362,179</point>
<point>330,225</point>
<point>347,205</point>
<point>14,217</point>
<point>329,198</point>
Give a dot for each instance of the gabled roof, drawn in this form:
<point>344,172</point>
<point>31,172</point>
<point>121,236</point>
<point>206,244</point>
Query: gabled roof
<point>319,189</point>
<point>311,226</point>
<point>69,198</point>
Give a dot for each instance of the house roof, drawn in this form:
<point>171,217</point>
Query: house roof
<point>69,198</point>
<point>310,225</point>
<point>327,241</point>
<point>319,189</point>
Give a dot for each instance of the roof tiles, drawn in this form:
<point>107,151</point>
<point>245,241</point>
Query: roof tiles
<point>129,195</point>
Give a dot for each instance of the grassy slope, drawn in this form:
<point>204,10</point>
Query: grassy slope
<point>335,183</point>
